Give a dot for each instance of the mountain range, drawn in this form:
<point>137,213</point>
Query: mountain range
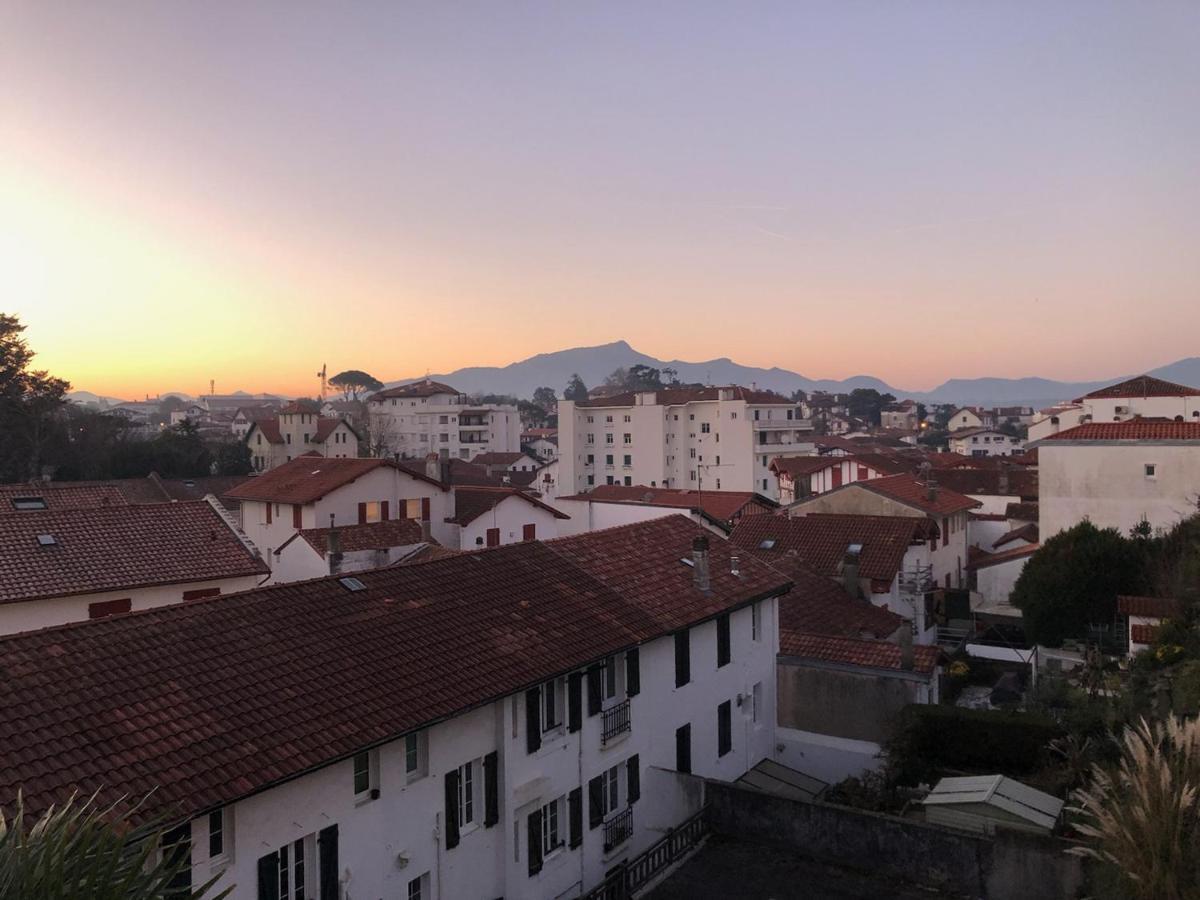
<point>594,363</point>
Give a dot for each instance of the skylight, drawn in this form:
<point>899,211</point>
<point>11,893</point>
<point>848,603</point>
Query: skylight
<point>47,540</point>
<point>854,549</point>
<point>687,562</point>
<point>768,544</point>
<point>29,503</point>
<point>352,584</point>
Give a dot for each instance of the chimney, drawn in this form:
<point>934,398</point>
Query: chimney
<point>334,544</point>
<point>700,562</point>
<point>931,490</point>
<point>906,647</point>
<point>850,574</point>
<point>433,467</point>
<point>426,531</point>
<point>1002,487</point>
<point>734,564</point>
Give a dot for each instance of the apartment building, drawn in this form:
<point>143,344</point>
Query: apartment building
<point>413,420</point>
<point>718,438</point>
<point>442,729</point>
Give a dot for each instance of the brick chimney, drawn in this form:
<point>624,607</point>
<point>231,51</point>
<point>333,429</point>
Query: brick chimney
<point>433,468</point>
<point>700,562</point>
<point>850,574</point>
<point>334,545</point>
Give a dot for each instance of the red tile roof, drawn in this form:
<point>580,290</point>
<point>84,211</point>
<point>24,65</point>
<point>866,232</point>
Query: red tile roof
<point>1150,607</point>
<point>1143,386</point>
<point>1027,532</point>
<point>207,702</point>
<point>371,536</point>
<point>296,407</point>
<point>992,482</point>
<point>819,605</point>
<point>474,501</point>
<point>459,472</point>
<point>678,396</point>
<point>416,390</point>
<point>499,459</point>
<point>819,542</point>
<point>1131,430</point>
<point>723,506</point>
<point>310,477</point>
<point>269,429</point>
<point>793,466</point>
<point>326,425</point>
<point>871,654</point>
<point>1022,512</point>
<point>117,548</point>
<point>61,495</point>
<point>908,490</point>
<point>982,559</point>
<point>1142,634</point>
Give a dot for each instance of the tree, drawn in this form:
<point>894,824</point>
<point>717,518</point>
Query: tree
<point>1073,580</point>
<point>353,383</point>
<point>233,458</point>
<point>867,403</point>
<point>82,851</point>
<point>546,399</point>
<point>576,390</point>
<point>30,403</point>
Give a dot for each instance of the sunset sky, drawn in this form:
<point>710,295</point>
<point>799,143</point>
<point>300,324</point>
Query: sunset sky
<point>917,190</point>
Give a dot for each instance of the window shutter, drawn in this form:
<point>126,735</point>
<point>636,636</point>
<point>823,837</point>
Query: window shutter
<point>327,853</point>
<point>724,728</point>
<point>297,515</point>
<point>535,842</point>
<point>595,802</point>
<point>574,702</point>
<point>425,509</point>
<point>268,513</point>
<point>529,532</point>
<point>722,640</point>
<point>683,658</point>
<point>633,673</point>
<point>683,749</point>
<point>452,809</point>
<point>383,511</point>
<point>268,877</point>
<point>593,679</point>
<point>491,790</point>
<point>633,779</point>
<point>575,817</point>
<point>533,720</point>
<point>362,514</point>
<point>493,537</point>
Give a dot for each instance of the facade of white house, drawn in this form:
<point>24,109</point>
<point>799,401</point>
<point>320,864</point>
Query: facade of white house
<point>295,432</point>
<point>983,442</point>
<point>414,420</point>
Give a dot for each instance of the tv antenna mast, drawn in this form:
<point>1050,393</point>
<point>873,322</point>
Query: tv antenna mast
<point>324,380</point>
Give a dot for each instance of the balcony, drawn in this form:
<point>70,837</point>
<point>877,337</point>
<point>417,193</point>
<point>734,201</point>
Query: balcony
<point>618,829</point>
<point>614,722</point>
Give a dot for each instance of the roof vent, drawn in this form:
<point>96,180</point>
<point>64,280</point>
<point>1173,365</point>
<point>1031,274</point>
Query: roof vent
<point>29,503</point>
<point>47,540</point>
<point>352,584</point>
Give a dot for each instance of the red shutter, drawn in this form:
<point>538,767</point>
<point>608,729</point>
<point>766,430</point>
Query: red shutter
<point>529,532</point>
<point>362,514</point>
<point>862,473</point>
<point>493,537</point>
<point>268,513</point>
<point>837,475</point>
<point>424,509</point>
<point>383,511</point>
<point>297,516</point>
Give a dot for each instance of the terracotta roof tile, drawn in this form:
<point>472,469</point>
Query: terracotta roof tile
<point>995,482</point>
<point>116,548</point>
<point>370,536</point>
<point>1027,532</point>
<point>59,496</point>
<point>912,492</point>
<point>871,654</point>
<point>310,477</point>
<point>1026,511</point>
<point>1131,430</point>
<point>724,506</point>
<point>1142,634</point>
<point>472,502</point>
<point>817,604</point>
<point>982,559</point>
<point>1150,607</point>
<point>1143,386</point>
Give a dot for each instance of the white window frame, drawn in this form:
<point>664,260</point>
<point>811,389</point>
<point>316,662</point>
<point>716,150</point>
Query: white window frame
<point>468,793</point>
<point>550,705</point>
<point>610,781</point>
<point>421,883</point>
<point>416,744</point>
<point>225,857</point>
<point>372,760</point>
<point>552,827</point>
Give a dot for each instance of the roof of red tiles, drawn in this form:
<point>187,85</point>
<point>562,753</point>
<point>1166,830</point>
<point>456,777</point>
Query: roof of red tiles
<point>197,488</point>
<point>326,425</point>
<point>1131,430</point>
<point>910,491</point>
<point>1143,386</point>
<point>817,604</point>
<point>1026,511</point>
<point>819,542</point>
<point>1150,607</point>
<point>1027,532</point>
<point>296,407</point>
<point>416,390</point>
<point>723,506</point>
<point>1142,634</point>
<point>61,495</point>
<point>871,654</point>
<point>457,472</point>
<point>793,466</point>
<point>982,559</point>
<point>116,548</point>
<point>677,396</point>
<point>210,701</point>
<point>370,536</point>
<point>473,501</point>
<point>992,481</point>
<point>499,459</point>
<point>310,477</point>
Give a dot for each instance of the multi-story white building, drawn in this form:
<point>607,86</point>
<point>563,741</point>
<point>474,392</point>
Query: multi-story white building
<point>425,417</point>
<point>983,442</point>
<point>719,438</point>
<point>1144,396</point>
<point>298,429</point>
<point>1119,474</point>
<point>433,730</point>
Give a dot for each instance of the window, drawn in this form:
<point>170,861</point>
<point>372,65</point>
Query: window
<point>756,701</point>
<point>691,452</point>
<point>609,688</point>
<point>591,419</point>
<point>628,481</point>
<point>1151,469</point>
<point>466,794</point>
<point>591,439</point>
<point>723,640</point>
<point>683,658</point>
<point>608,418</point>
<point>551,836</point>
<point>764,487</point>
<point>627,438</point>
<point>416,755</point>
<point>591,480</point>
<point>691,474</point>
<point>611,783</point>
<point>628,419</point>
<point>372,512</point>
<point>418,888</point>
<point>756,622</point>
<point>724,728</point>
<point>628,460</point>
<point>365,764</point>
<point>551,705</point>
<point>705,428</point>
<point>608,439</point>
<point>591,459</point>
<point>608,459</point>
<point>683,749</point>
<point>291,871</point>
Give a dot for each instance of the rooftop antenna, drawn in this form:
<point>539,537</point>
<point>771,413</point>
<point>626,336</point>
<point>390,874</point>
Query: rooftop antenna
<point>324,380</point>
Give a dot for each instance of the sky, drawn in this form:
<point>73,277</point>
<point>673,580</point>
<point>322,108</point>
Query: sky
<point>922,190</point>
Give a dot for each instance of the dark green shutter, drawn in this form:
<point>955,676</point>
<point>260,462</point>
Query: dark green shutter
<point>268,877</point>
<point>574,701</point>
<point>533,720</point>
<point>575,816</point>
<point>327,855</point>
<point>683,749</point>
<point>633,779</point>
<point>452,809</point>
<point>724,728</point>
<point>723,640</point>
<point>491,790</point>
<point>535,842</point>
<point>594,674</point>
<point>595,802</point>
<point>633,673</point>
<point>683,658</point>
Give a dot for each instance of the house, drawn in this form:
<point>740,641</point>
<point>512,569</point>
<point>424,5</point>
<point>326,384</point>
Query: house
<point>885,560</point>
<point>353,411</point>
<point>993,574</point>
<point>1119,474</point>
<point>804,476</point>
<point>193,412</point>
<point>541,442</point>
<point>245,416</point>
<point>73,564</point>
<point>970,417</point>
<point>610,505</point>
<point>986,803</point>
<point>353,733</point>
<point>983,442</point>
<point>545,482</point>
<point>1143,615</point>
<point>414,420</point>
<point>299,429</point>
<point>493,516</point>
<point>996,488</point>
<point>505,463</point>
<point>1013,415</point>
<point>712,438</point>
<point>316,492</point>
<point>901,416</point>
<point>316,552</point>
<point>1144,396</point>
<point>906,495</point>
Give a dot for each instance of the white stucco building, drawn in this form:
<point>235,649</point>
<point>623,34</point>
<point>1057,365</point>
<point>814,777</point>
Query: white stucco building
<point>1144,396</point>
<point>1118,474</point>
<point>419,731</point>
<point>983,442</point>
<point>718,438</point>
<point>803,476</point>
<point>295,431</point>
<point>414,420</point>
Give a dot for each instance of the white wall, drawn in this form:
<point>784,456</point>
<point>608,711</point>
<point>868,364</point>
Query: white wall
<point>995,583</point>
